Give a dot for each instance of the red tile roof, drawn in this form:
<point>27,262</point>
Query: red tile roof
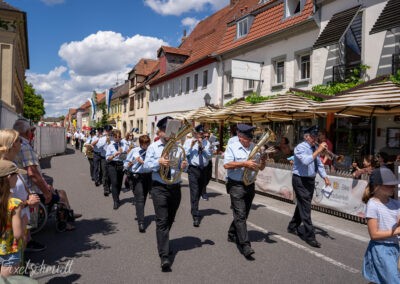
<point>173,50</point>
<point>217,33</point>
<point>145,66</point>
<point>85,105</point>
<point>265,23</point>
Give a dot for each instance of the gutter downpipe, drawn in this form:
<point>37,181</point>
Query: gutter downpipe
<point>221,104</point>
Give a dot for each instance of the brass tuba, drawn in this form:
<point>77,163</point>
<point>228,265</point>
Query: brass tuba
<point>249,176</point>
<point>175,154</point>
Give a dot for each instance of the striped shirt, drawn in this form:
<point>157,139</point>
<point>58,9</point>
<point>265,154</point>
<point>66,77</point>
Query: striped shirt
<point>387,215</point>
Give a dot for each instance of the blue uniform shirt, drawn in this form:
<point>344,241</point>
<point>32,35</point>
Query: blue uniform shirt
<point>233,139</point>
<point>154,152</point>
<point>136,167</point>
<point>193,153</point>
<point>304,164</point>
<point>102,145</point>
<point>113,148</point>
<point>95,147</point>
<point>235,152</point>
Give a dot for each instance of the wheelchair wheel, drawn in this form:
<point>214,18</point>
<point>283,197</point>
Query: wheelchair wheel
<point>61,226</point>
<point>318,195</point>
<point>42,218</point>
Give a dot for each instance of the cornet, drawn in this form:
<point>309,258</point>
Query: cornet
<point>331,156</point>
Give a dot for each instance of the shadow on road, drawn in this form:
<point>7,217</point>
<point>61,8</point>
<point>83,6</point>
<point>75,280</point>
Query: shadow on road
<point>318,231</point>
<point>70,245</point>
<point>209,212</point>
<point>72,278</point>
<point>188,243</point>
<point>213,194</point>
<point>257,236</point>
<point>256,206</point>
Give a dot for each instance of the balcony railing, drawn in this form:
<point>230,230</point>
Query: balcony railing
<point>395,63</point>
<point>346,71</point>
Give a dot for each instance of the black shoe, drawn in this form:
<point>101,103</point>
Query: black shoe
<point>247,251</point>
<point>165,264</point>
<point>196,222</point>
<point>116,205</point>
<point>106,193</point>
<point>292,231</point>
<point>96,183</point>
<point>34,246</point>
<point>231,238</point>
<point>313,243</point>
<point>142,228</point>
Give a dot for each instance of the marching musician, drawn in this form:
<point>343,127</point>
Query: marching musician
<point>98,173</point>
<point>89,152</point>
<point>115,166</point>
<point>307,164</point>
<point>235,161</point>
<point>198,152</point>
<point>139,178</point>
<point>102,145</point>
<point>166,197</point>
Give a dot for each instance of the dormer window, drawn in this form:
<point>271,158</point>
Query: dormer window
<point>263,1</point>
<point>243,26</point>
<point>293,7</point>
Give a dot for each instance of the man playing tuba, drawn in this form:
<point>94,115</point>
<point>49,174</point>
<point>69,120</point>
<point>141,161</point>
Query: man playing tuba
<point>235,161</point>
<point>166,196</point>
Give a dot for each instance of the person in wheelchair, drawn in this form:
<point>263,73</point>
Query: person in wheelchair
<point>27,159</point>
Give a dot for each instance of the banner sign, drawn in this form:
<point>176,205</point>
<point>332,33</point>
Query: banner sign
<point>246,70</point>
<point>345,197</point>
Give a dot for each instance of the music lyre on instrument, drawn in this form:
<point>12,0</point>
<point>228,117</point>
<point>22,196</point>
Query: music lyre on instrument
<point>175,153</point>
<point>249,176</point>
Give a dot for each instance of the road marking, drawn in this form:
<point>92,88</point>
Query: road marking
<point>318,224</point>
<point>308,250</point>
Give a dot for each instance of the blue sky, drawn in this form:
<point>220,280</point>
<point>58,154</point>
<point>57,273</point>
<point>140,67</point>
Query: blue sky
<point>77,46</point>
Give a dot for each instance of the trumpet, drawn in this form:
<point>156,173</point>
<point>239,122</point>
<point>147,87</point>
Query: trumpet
<point>331,156</point>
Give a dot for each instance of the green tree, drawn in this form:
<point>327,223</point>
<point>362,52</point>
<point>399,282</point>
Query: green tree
<point>104,118</point>
<point>33,103</point>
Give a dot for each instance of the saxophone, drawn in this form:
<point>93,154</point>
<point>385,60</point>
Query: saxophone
<point>249,176</point>
<point>175,154</point>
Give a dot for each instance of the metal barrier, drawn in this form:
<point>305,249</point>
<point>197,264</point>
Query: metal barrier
<point>49,141</point>
<point>7,116</point>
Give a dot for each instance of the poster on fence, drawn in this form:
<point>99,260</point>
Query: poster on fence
<point>345,196</point>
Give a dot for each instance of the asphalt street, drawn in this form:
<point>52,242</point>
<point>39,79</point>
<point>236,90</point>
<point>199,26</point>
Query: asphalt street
<point>106,246</point>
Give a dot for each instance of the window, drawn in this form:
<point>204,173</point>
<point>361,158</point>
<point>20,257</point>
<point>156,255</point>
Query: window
<point>132,103</point>
<point>141,126</point>
<point>195,82</point>
<point>293,7</point>
<point>242,28</point>
<point>280,72</point>
<point>305,67</point>
<point>125,103</point>
<point>249,84</point>
<point>187,85</point>
<point>141,105</point>
<point>181,86</point>
<point>205,78</point>
<point>228,83</point>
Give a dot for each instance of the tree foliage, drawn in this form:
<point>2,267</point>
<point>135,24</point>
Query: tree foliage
<point>33,103</point>
<point>104,118</point>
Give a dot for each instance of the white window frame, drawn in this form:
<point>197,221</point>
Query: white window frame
<point>307,63</point>
<point>242,27</point>
<point>277,71</point>
<point>228,84</point>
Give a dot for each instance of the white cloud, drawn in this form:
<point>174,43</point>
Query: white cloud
<point>52,2</point>
<point>190,23</point>
<point>94,63</point>
<point>178,7</point>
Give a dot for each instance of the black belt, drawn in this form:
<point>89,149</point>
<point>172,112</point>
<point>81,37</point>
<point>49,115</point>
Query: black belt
<point>232,181</point>
<point>167,186</point>
<point>116,163</point>
<point>309,178</point>
<point>196,167</point>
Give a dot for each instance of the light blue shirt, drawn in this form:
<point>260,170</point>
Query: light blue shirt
<point>193,154</point>
<point>236,152</point>
<point>102,145</point>
<point>96,148</point>
<point>233,139</point>
<point>304,165</point>
<point>128,143</point>
<point>136,167</point>
<point>112,149</point>
<point>154,152</point>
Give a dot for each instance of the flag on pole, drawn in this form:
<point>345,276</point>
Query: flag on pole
<point>109,93</point>
<point>93,105</point>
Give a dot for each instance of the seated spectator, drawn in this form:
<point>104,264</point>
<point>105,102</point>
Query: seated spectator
<point>322,137</point>
<point>283,151</point>
<point>28,160</point>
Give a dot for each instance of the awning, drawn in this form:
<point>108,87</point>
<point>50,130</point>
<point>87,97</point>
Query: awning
<point>389,18</point>
<point>200,114</point>
<point>336,27</point>
<point>375,99</point>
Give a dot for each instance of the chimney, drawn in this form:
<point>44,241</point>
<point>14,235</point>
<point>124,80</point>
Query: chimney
<point>184,36</point>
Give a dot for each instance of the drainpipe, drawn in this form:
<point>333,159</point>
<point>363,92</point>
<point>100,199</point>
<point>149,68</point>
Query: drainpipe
<point>221,104</point>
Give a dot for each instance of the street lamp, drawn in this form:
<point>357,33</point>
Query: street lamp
<point>207,99</point>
